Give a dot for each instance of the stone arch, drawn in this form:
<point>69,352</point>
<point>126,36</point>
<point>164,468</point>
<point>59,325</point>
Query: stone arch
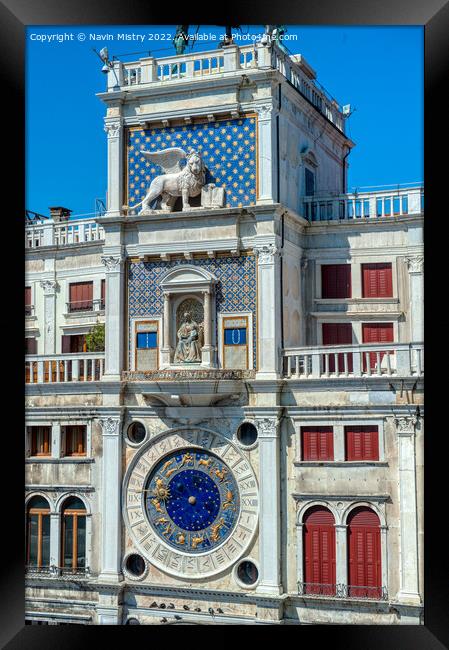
<point>363,504</point>
<point>29,497</point>
<point>63,498</point>
<point>302,510</point>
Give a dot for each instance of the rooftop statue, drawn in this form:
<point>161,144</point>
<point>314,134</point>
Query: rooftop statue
<point>176,181</point>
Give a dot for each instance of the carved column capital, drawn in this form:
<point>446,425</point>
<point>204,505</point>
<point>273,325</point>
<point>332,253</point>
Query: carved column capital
<point>110,426</point>
<point>112,262</point>
<point>304,263</point>
<point>264,111</point>
<point>113,128</point>
<point>267,427</point>
<point>405,425</point>
<point>49,286</point>
<point>415,263</point>
<point>267,253</point>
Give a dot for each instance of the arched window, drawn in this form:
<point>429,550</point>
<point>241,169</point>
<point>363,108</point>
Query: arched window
<point>38,533</point>
<point>365,575</point>
<point>319,551</point>
<point>73,549</point>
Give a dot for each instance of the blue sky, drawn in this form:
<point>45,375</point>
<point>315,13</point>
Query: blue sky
<point>378,70</point>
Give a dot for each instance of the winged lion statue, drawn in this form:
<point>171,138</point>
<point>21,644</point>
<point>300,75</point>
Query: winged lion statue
<point>176,181</point>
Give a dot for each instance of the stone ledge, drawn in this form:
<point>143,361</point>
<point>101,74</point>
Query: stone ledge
<point>187,374</point>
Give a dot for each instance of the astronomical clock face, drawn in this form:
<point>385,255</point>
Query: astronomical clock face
<point>191,503</point>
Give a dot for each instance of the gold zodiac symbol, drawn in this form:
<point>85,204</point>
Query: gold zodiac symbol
<point>215,528</point>
<point>157,505</point>
<point>167,530</point>
<point>181,538</point>
<point>162,520</point>
<point>170,472</point>
<point>196,541</point>
<point>161,490</point>
<point>167,464</point>
<point>229,500</point>
<point>221,475</point>
<point>187,458</point>
<point>204,462</point>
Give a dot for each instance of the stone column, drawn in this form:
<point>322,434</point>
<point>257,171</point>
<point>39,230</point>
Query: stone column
<point>110,557</point>
<point>49,287</point>
<point>166,350</point>
<point>114,316</point>
<point>269,523</point>
<point>416,271</point>
<point>55,539</point>
<point>114,129</point>
<point>409,582</point>
<point>266,159</point>
<point>299,553</point>
<point>268,312</point>
<point>56,440</point>
<point>207,349</point>
<point>341,564</point>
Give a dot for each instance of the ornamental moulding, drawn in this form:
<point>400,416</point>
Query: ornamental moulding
<point>266,427</point>
<point>112,129</point>
<point>406,424</point>
<point>49,286</point>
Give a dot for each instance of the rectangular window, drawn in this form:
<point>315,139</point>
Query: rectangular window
<point>235,342</point>
<point>362,443</point>
<point>335,280</point>
<point>81,296</point>
<point>40,441</point>
<point>147,345</point>
<point>310,182</point>
<point>75,440</point>
<point>377,280</point>
<point>28,304</point>
<point>74,343</point>
<point>338,334</point>
<point>376,333</point>
<point>317,443</point>
<point>103,294</point>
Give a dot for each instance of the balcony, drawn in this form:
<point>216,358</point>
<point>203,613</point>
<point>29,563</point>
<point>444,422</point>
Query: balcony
<point>354,361</point>
<point>29,311</point>
<point>74,231</point>
<point>64,368</point>
<point>399,202</point>
<point>224,62</point>
<point>342,591</point>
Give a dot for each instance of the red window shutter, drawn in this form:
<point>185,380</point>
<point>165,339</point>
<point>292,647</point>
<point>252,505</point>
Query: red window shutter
<point>80,295</point>
<point>319,551</point>
<point>336,281</point>
<point>65,346</point>
<point>376,333</point>
<point>317,443</point>
<point>30,346</point>
<point>377,280</point>
<point>365,575</point>
<point>338,334</point>
<point>362,443</point>
<point>27,296</point>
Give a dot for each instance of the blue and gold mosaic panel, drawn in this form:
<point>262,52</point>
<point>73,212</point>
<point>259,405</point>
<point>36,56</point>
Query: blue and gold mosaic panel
<point>228,149</point>
<point>235,290</point>
<point>192,500</point>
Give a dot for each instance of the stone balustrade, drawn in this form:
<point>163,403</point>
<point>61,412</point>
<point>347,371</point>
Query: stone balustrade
<point>62,368</point>
<point>227,60</point>
<point>74,231</point>
<point>373,205</point>
<point>354,361</point>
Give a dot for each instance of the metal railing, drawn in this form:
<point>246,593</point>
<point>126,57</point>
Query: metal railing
<point>55,571</point>
<point>85,305</point>
<point>339,590</point>
<point>365,360</point>
<point>62,368</point>
<point>367,205</point>
<point>74,231</point>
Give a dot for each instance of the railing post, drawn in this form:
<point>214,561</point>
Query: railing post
<point>40,372</point>
<point>356,365</point>
<point>231,55</point>
<point>75,369</point>
<point>403,366</point>
<point>316,365</point>
<point>149,70</point>
<point>48,234</point>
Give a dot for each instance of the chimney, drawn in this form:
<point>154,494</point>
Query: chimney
<point>60,214</point>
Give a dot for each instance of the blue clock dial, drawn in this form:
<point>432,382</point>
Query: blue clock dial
<point>192,500</point>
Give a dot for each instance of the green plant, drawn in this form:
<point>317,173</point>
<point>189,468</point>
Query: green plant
<point>95,338</point>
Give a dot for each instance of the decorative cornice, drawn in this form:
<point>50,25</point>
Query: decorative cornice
<point>415,263</point>
<point>112,262</point>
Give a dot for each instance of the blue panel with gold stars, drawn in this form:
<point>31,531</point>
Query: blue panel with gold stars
<point>192,500</point>
<point>228,149</point>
